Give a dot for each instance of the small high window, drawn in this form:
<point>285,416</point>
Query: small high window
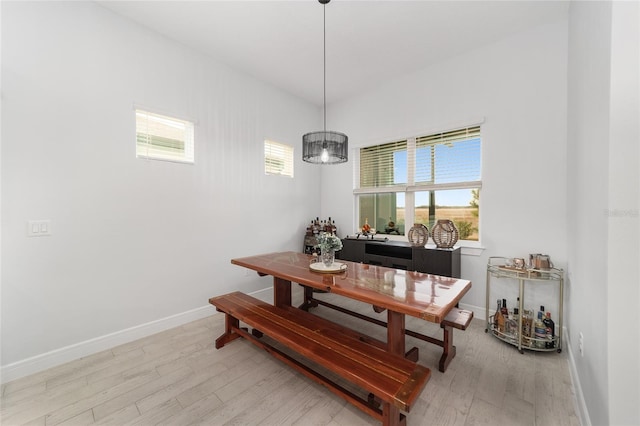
<point>164,138</point>
<point>278,159</point>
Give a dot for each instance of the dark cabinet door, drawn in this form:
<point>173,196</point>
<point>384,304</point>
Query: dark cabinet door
<point>445,262</point>
<point>352,250</point>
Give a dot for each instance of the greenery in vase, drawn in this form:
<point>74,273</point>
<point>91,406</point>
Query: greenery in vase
<point>328,241</point>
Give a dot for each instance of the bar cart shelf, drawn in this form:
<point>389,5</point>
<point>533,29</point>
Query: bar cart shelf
<point>497,269</point>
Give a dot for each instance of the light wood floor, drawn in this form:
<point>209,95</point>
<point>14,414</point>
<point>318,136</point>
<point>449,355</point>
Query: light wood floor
<point>177,377</point>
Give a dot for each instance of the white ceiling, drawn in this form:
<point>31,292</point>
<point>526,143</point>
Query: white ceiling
<point>368,42</point>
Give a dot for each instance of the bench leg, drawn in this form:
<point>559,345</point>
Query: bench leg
<point>412,354</point>
<point>449,351</point>
<point>391,416</point>
<point>229,334</point>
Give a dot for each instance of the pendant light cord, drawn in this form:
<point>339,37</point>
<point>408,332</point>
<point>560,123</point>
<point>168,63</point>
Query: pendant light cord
<point>324,62</point>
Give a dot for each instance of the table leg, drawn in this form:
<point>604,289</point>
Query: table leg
<point>281,292</point>
<point>395,332</point>
<point>448,350</point>
<point>309,301</point>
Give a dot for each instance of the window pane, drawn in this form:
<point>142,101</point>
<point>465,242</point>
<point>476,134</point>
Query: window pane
<point>383,165</point>
<point>164,138</point>
<point>454,162</point>
<point>459,205</point>
<point>448,157</point>
<point>384,212</point>
<point>278,159</point>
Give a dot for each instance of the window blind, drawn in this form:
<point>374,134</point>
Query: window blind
<point>278,159</point>
<point>164,138</point>
<point>449,157</point>
<point>383,165</point>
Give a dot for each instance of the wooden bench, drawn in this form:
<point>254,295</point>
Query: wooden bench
<point>393,380</point>
<point>456,318</point>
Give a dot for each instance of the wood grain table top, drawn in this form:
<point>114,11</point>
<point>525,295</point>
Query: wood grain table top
<point>417,294</point>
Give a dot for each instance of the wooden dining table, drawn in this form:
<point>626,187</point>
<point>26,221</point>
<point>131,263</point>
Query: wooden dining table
<point>399,292</point>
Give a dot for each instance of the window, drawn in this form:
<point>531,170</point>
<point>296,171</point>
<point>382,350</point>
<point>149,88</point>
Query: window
<point>278,159</point>
<point>164,138</point>
<point>420,180</point>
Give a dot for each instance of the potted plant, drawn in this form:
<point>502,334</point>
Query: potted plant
<point>328,245</point>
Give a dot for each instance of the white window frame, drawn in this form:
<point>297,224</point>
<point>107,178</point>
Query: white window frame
<point>278,152</point>
<point>410,188</point>
<point>150,124</point>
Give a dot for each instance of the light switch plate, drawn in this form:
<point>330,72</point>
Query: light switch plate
<point>38,228</point>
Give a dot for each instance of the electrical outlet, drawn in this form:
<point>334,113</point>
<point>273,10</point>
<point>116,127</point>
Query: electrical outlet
<point>581,344</point>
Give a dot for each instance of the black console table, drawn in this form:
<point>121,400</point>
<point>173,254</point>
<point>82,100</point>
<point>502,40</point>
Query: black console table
<point>402,255</point>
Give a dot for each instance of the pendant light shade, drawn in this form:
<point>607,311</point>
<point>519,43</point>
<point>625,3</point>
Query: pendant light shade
<point>325,147</point>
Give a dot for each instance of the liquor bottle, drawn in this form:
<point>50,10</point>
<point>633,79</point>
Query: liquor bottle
<point>540,332</point>
<point>550,328</point>
<point>514,328</point>
<point>504,310</point>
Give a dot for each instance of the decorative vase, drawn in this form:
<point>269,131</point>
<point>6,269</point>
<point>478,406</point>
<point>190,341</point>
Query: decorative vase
<point>418,235</point>
<point>444,233</point>
<point>327,257</point>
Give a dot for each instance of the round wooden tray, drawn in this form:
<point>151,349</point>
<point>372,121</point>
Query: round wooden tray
<point>335,267</point>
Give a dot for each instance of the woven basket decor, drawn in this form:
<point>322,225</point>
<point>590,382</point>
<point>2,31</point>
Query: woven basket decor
<point>444,233</point>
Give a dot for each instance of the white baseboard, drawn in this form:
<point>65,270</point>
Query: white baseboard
<point>478,312</point>
<point>60,356</point>
<point>581,405</point>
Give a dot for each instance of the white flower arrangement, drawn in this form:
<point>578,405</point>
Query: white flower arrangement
<point>327,241</point>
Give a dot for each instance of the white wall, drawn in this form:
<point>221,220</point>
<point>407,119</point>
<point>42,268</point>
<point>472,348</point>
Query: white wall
<point>588,127</point>
<point>518,86</point>
<point>133,241</point>
<point>623,266</point>
<point>604,203</point>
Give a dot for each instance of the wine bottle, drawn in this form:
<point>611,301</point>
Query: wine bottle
<point>500,319</point>
<point>550,328</point>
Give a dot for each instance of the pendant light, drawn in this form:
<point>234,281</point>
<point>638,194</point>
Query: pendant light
<point>324,147</point>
